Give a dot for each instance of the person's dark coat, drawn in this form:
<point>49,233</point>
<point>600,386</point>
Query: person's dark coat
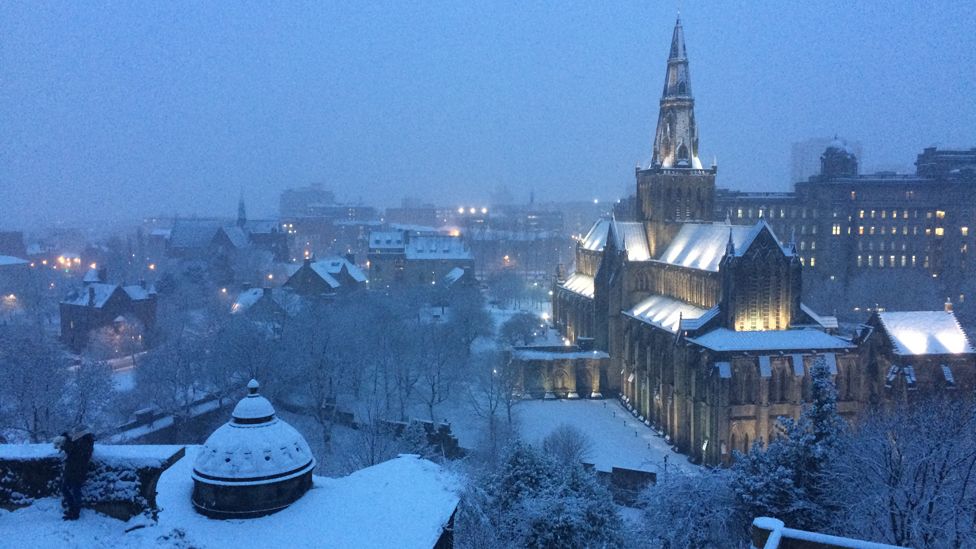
<point>78,453</point>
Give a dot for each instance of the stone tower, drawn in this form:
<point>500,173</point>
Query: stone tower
<point>675,187</point>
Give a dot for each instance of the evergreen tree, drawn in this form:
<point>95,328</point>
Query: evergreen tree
<point>788,479</point>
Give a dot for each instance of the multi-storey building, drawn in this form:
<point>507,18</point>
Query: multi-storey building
<point>863,238</point>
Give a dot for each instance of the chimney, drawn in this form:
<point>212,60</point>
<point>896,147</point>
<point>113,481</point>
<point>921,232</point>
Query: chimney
<point>948,305</point>
<point>91,296</point>
<point>351,258</point>
<point>103,274</point>
<point>308,261</point>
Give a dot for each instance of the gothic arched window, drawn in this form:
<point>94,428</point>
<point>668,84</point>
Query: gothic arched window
<point>683,152</point>
<point>682,88</point>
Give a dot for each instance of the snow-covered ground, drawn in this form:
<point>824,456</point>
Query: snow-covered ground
<point>619,440</point>
<point>399,503</point>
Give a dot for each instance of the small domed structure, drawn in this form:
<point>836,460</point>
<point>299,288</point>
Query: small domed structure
<point>254,465</point>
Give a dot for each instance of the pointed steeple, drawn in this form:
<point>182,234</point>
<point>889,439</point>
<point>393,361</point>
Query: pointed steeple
<point>676,139</point>
<point>241,213</point>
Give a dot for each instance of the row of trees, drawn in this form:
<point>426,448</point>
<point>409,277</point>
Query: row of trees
<point>903,476</point>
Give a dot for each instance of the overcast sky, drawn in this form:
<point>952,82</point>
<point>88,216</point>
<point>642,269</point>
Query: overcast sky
<point>123,109</point>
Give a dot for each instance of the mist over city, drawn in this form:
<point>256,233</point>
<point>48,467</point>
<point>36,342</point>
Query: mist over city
<point>487,275</point>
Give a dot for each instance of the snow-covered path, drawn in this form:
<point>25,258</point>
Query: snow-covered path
<point>619,440</point>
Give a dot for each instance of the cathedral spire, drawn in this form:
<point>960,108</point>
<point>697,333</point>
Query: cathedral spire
<point>241,213</point>
<point>676,139</point>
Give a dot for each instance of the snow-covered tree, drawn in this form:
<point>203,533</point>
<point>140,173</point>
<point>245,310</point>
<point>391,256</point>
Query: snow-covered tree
<point>521,329</point>
<point>683,510</point>
<point>35,375</point>
<point>567,445</point>
<point>532,501</point>
<point>789,479</point>
<point>908,477</point>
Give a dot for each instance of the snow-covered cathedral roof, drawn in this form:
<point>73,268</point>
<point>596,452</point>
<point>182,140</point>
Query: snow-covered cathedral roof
<point>629,235</point>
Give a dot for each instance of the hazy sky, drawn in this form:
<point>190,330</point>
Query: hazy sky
<point>124,109</point>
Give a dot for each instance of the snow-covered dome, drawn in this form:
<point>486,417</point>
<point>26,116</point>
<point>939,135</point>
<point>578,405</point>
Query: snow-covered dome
<point>255,452</point>
<point>255,446</point>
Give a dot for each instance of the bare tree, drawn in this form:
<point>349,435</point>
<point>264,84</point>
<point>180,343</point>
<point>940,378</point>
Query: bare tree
<point>567,445</point>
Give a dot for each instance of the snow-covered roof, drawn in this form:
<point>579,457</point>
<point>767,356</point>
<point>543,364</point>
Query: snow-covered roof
<point>702,245</point>
<point>436,247</point>
<point>723,339</point>
<point>386,240</point>
<point>544,354</point>
<point>403,502</point>
<point>580,284</point>
<point>453,275</point>
<point>193,233</point>
<point>137,292</point>
<point>632,237</point>
<point>11,260</point>
<point>333,266</point>
<point>288,302</point>
<point>255,447</point>
<point>664,312</point>
<point>95,294</point>
<point>236,236</point>
<point>92,276</point>
<point>629,235</point>
<point>596,238</point>
<point>829,322</point>
<point>925,333</point>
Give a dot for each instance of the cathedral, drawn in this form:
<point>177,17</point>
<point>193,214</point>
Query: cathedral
<point>702,319</point>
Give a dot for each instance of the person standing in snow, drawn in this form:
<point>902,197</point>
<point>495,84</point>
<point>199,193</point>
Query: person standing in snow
<point>77,448</point>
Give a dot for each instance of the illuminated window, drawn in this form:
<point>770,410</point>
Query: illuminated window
<point>939,214</point>
<point>904,261</point>
<point>964,231</point>
<point>813,261</point>
<point>939,231</point>
<point>928,215</point>
<point>880,261</point>
<point>853,195</point>
<point>861,214</point>
<point>884,214</point>
<point>760,212</point>
<point>904,214</point>
<point>813,245</point>
<point>860,261</point>
<point>928,232</point>
<point>871,230</point>
<point>740,213</point>
<point>860,230</point>
<point>894,230</point>
<point>835,230</point>
<point>904,230</point>
<point>913,261</point>
<point>870,261</point>
<point>813,229</point>
<point>964,248</point>
<point>891,261</point>
<point>872,214</point>
<point>803,245</point>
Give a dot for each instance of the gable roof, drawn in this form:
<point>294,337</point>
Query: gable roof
<point>925,333</point>
<point>703,245</point>
<point>580,284</point>
<point>95,294</point>
<point>334,266</point>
